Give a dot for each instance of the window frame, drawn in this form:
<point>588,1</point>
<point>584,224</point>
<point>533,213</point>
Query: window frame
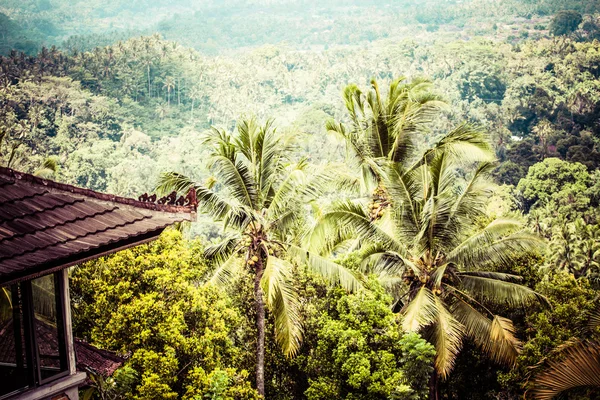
<point>32,357</point>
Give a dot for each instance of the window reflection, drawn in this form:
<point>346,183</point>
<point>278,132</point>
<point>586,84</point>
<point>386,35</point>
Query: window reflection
<point>49,332</point>
<point>14,373</point>
<point>32,334</point>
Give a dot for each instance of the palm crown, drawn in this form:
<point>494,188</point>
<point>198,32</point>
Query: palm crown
<point>384,129</point>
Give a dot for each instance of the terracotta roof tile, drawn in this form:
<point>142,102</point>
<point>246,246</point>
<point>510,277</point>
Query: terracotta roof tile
<point>88,357</point>
<point>46,226</point>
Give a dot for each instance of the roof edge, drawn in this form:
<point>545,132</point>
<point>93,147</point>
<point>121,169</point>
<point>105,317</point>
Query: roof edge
<point>190,199</point>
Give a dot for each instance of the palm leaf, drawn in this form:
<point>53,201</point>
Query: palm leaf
<point>282,300</point>
<point>500,292</point>
<point>209,201</point>
<point>421,311</point>
<point>464,144</point>
<point>494,336</point>
<point>222,250</point>
<point>226,271</point>
<point>579,366</point>
<point>330,270</point>
<point>446,335</point>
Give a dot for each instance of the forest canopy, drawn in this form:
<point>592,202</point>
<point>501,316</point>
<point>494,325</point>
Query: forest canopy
<point>397,200</point>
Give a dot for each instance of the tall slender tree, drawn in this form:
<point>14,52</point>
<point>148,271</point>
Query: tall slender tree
<point>261,202</point>
<point>169,84</point>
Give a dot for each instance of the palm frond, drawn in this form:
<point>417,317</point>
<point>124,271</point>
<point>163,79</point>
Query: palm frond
<point>333,272</point>
<point>404,189</point>
<point>494,246</point>
<point>421,311</point>
<point>48,168</point>
<point>226,271</point>
<point>579,366</point>
<point>287,193</point>
<point>282,301</point>
<point>500,292</point>
<point>446,335</point>
<point>594,319</point>
<point>465,144</point>
<point>237,178</point>
<point>494,336</point>
<point>222,250</point>
<point>493,275</point>
<point>352,215</point>
<point>209,201</point>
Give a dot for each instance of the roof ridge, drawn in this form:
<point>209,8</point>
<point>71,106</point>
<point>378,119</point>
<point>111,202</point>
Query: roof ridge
<point>32,179</point>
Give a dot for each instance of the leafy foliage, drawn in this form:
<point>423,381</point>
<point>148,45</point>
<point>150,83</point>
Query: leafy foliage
<point>146,303</point>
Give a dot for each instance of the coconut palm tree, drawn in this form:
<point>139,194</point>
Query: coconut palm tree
<point>169,84</point>
<point>261,199</point>
<point>384,128</point>
<point>429,250</point>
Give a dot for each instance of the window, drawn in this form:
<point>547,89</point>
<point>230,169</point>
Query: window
<point>32,334</point>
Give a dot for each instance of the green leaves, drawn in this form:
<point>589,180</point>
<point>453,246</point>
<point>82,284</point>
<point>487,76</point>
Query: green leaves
<point>498,291</point>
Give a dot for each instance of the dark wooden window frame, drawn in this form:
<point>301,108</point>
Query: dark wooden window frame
<point>34,368</point>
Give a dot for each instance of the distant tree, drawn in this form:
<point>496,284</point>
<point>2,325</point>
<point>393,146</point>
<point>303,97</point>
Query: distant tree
<point>567,187</point>
<point>169,84</point>
<point>565,22</point>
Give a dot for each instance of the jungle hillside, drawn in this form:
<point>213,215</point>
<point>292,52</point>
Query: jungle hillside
<point>396,199</point>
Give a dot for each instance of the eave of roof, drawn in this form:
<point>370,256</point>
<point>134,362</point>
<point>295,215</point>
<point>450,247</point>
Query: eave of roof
<point>153,206</point>
<point>46,226</point>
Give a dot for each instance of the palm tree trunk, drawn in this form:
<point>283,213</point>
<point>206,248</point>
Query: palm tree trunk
<point>149,90</point>
<point>434,386</point>
<point>260,331</point>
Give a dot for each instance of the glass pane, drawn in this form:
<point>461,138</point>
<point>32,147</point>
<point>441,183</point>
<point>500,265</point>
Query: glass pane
<point>13,368</point>
<point>49,328</point>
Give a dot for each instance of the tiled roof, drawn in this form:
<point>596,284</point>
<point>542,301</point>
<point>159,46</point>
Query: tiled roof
<point>102,362</point>
<point>88,357</point>
<point>46,226</point>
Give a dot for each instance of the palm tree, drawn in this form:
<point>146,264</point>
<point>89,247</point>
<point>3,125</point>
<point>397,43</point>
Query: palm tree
<point>147,61</point>
<point>385,128</point>
<point>261,202</point>
<point>195,94</point>
<point>169,84</point>
<point>161,110</point>
<point>438,263</point>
